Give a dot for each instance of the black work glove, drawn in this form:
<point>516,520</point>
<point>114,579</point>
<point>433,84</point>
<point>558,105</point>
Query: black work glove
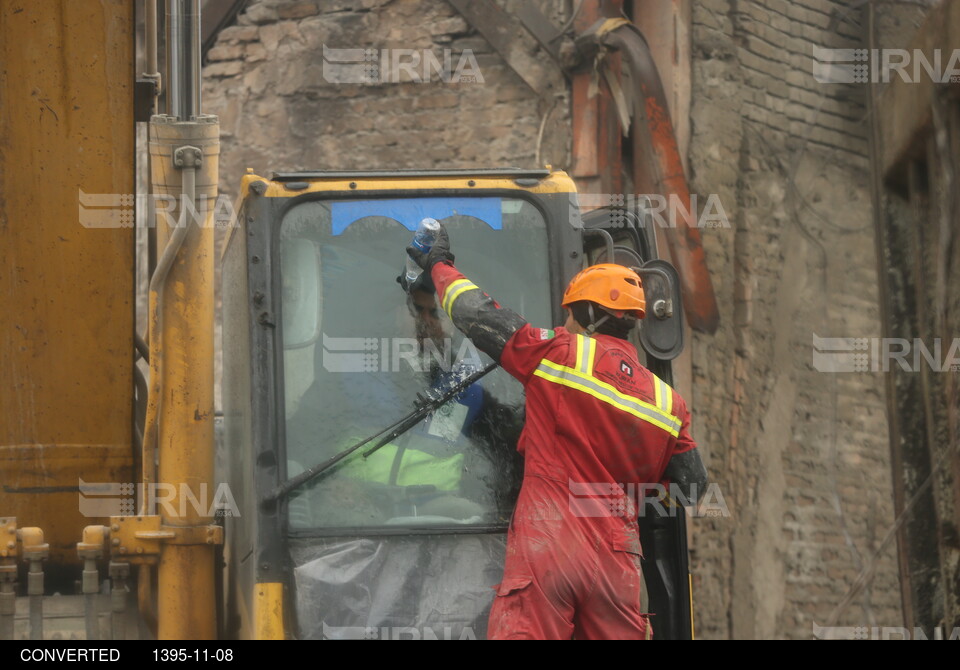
<point>422,283</point>
<point>439,252</point>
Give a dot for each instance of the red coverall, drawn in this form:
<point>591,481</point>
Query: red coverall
<point>599,426</point>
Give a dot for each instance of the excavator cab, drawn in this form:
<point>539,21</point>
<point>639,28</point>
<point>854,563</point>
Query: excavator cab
<point>323,348</point>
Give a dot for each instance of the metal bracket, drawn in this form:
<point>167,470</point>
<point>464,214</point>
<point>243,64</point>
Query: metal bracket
<point>141,536</point>
<point>663,309</point>
<point>145,98</point>
<point>154,78</point>
<point>187,157</point>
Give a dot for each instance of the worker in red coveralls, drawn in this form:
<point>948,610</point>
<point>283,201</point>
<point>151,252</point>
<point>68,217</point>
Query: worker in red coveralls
<point>595,419</point>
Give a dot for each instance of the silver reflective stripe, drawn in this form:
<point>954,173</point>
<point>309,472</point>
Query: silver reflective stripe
<point>559,374</point>
<point>453,292</point>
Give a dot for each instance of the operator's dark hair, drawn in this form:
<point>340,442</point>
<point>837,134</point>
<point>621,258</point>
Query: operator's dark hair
<point>619,328</point>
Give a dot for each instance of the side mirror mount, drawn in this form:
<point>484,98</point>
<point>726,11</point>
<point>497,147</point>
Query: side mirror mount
<point>661,331</point>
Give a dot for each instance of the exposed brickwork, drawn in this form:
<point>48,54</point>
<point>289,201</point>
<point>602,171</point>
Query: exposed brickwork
<point>801,457</point>
<point>278,111</point>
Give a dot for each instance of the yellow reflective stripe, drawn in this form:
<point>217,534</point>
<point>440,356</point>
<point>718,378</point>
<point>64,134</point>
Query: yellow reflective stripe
<point>453,298</point>
<point>586,351</point>
<point>643,414</point>
<point>664,395</point>
<point>565,376</point>
<point>593,380</point>
<point>453,292</point>
<point>450,290</point>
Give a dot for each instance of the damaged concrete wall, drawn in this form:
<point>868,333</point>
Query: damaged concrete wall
<point>278,111</point>
<point>801,454</point>
<point>918,141</point>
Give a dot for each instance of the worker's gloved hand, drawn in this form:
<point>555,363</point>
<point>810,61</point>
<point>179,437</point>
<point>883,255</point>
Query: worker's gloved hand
<point>439,252</point>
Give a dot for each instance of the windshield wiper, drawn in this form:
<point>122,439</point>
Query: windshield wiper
<point>434,399</point>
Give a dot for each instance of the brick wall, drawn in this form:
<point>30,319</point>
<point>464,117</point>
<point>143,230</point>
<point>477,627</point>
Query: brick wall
<point>265,79</point>
<point>801,456</point>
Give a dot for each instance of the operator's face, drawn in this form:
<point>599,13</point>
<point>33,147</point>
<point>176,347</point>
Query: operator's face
<point>426,315</point>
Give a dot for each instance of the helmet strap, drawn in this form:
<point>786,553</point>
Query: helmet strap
<point>594,323</point>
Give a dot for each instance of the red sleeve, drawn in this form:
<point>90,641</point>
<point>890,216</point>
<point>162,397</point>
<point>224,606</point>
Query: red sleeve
<point>528,347</point>
<point>525,348</point>
<point>444,274</point>
<point>478,316</point>
<point>685,442</point>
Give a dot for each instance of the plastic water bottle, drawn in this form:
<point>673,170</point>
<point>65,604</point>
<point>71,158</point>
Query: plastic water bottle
<point>423,240</point>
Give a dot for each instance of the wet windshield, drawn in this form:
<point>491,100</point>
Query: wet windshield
<point>358,349</point>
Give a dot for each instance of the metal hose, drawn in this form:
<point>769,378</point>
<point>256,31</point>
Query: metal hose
<point>157,284</point>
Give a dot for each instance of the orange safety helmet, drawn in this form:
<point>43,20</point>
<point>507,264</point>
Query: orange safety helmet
<point>613,286</point>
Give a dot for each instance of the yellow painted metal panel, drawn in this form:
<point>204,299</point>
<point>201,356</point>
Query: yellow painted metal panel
<point>556,182</point>
<point>268,611</point>
<point>66,291</point>
<point>184,356</point>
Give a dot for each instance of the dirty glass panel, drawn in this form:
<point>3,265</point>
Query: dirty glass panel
<point>396,588</point>
<point>358,350</point>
